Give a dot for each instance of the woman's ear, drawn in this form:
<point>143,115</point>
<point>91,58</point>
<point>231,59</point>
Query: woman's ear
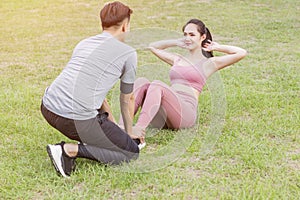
<point>203,37</point>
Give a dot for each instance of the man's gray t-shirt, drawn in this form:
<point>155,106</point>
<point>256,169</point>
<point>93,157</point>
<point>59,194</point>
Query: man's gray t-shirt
<point>97,63</point>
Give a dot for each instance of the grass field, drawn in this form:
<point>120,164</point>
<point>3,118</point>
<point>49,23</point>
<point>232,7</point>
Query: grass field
<point>255,156</point>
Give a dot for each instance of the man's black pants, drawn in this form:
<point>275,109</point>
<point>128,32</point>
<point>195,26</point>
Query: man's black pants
<point>100,139</point>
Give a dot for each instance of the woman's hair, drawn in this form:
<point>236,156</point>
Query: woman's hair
<point>202,30</point>
<point>112,14</point>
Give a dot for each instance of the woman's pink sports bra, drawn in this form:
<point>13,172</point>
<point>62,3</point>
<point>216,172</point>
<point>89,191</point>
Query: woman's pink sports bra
<point>191,75</point>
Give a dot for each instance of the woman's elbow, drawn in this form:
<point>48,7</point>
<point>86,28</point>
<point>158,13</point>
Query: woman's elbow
<point>152,45</point>
<point>243,53</point>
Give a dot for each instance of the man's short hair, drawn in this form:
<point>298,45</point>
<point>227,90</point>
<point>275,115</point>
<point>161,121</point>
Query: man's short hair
<point>112,14</point>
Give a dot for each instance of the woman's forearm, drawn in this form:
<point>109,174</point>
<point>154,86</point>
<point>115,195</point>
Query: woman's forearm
<point>233,54</point>
<point>163,44</point>
<point>230,49</point>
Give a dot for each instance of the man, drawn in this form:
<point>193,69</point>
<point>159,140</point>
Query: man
<point>75,102</point>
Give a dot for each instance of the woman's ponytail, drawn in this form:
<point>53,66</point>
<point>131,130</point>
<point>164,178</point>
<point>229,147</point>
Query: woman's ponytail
<point>208,37</point>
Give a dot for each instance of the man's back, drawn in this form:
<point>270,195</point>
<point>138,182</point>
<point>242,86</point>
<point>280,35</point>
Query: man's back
<point>96,64</point>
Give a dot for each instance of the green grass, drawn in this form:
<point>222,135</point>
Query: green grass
<point>257,156</point>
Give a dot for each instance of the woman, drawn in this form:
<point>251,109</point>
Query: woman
<point>177,104</point>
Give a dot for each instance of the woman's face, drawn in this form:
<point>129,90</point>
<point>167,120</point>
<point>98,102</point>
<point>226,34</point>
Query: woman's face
<point>192,37</point>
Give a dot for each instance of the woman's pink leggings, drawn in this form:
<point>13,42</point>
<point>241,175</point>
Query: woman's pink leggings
<point>163,106</point>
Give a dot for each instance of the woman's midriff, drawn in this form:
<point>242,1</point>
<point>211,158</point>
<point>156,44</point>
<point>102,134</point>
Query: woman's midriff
<point>189,103</point>
<point>186,89</point>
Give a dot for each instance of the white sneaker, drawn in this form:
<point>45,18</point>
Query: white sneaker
<point>55,154</point>
<point>142,145</point>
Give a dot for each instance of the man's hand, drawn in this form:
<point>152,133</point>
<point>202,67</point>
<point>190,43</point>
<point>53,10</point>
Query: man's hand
<point>106,108</point>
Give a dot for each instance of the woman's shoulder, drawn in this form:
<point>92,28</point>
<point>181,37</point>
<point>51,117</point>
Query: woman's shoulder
<point>177,58</point>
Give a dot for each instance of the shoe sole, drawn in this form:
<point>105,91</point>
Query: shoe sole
<point>142,145</point>
<point>55,157</point>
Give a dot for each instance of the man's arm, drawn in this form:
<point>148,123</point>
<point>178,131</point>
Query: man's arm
<point>106,108</point>
<point>127,106</point>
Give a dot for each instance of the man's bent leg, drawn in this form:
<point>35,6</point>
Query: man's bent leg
<point>105,141</point>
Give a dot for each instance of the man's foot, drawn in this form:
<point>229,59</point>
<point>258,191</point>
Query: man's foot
<point>62,163</point>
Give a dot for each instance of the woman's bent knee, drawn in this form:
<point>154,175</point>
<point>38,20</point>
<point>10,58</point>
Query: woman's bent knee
<point>139,82</point>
